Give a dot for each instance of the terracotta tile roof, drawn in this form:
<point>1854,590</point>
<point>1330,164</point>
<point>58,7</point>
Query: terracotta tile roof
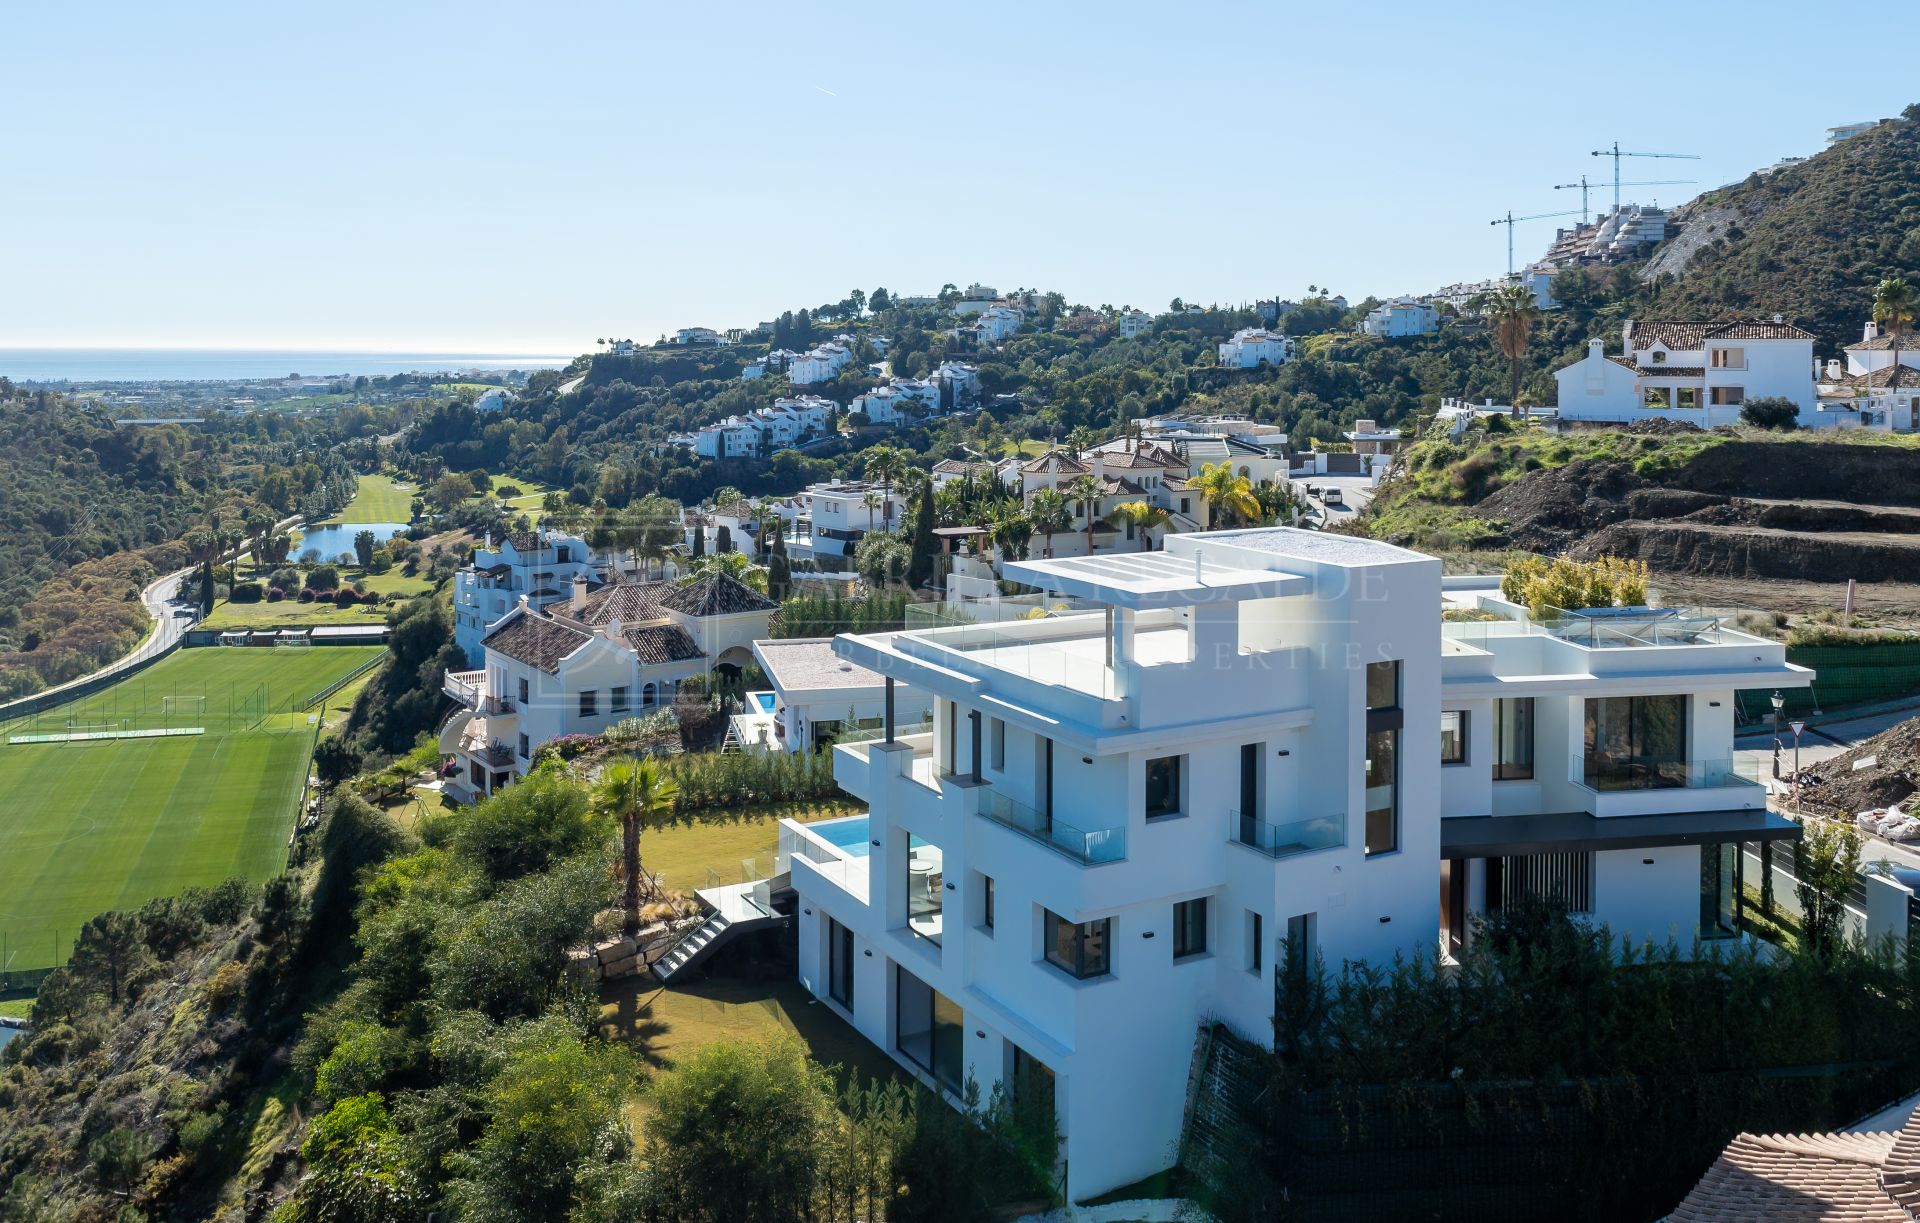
<point>625,602</point>
<point>1810,1178</point>
<point>1894,377</point>
<point>658,643</point>
<point>1758,329</point>
<point>1671,371</point>
<point>955,467</point>
<point>1626,361</point>
<point>1674,335</point>
<point>1068,464</point>
<point>535,640</point>
<point>1689,336</point>
<point>717,594</point>
<point>1146,456</point>
<point>524,541</point>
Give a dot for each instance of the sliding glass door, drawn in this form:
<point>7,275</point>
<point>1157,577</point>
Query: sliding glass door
<point>1636,742</point>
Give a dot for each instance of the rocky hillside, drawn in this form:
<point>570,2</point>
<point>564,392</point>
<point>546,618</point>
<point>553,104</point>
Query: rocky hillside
<point>1808,241</point>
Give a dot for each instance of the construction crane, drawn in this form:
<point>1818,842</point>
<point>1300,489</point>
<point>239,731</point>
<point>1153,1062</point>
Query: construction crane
<point>1616,153</point>
<point>1586,186</point>
<point>1509,221</point>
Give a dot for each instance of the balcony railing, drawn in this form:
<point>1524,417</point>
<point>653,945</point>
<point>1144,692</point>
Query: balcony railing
<point>1609,773</point>
<point>1091,847</point>
<point>467,687</point>
<point>1286,840</point>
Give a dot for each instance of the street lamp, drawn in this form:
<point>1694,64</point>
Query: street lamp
<point>1798,726</point>
<point>1779,703</point>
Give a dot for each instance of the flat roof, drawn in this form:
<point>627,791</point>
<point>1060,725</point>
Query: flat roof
<point>1495,836</point>
<point>808,664</point>
<point>1320,547</point>
<point>1154,579</point>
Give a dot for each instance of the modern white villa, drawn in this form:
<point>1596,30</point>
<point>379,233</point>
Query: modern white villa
<point>577,668</point>
<point>1698,372</point>
<point>817,698</point>
<point>1252,347</point>
<point>1153,811</point>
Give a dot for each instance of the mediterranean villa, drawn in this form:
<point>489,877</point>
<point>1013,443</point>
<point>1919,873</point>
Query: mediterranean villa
<point>1192,774</point>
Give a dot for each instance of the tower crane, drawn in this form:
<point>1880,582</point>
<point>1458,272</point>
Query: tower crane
<point>1616,153</point>
<point>1586,186</point>
<point>1509,220</point>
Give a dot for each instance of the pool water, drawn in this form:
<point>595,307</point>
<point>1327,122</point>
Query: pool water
<point>849,835</point>
<point>764,700</point>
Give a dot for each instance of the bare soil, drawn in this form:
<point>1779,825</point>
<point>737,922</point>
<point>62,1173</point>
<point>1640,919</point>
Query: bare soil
<point>1893,777</point>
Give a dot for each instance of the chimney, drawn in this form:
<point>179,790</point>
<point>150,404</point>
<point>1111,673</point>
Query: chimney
<point>1833,368</point>
<point>578,602</point>
<point>1779,318</point>
<point>1870,332</point>
<point>1596,349</point>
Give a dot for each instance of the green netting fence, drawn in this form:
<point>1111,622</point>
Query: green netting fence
<point>1844,675</point>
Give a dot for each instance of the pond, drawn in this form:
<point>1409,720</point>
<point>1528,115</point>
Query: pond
<point>336,538</point>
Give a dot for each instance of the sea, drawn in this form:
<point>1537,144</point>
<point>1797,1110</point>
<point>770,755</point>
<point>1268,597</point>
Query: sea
<point>88,365</point>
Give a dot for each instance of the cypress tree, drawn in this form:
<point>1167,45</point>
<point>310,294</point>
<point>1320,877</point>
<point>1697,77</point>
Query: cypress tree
<point>779,574</point>
<point>920,559</point>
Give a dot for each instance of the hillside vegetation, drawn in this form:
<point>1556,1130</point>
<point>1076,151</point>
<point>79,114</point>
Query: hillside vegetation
<point>1808,241</point>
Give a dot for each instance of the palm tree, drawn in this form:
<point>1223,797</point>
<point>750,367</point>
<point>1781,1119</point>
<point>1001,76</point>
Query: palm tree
<point>872,501</point>
<point>633,791</point>
<point>1048,512</point>
<point>1226,490</point>
<point>1512,311</point>
<point>884,465</point>
<point>1142,517</point>
<point>1086,490</point>
<point>1010,533</point>
<point>1895,303</point>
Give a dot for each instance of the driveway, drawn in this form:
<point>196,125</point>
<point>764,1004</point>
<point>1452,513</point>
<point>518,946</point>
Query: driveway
<point>1355,491</point>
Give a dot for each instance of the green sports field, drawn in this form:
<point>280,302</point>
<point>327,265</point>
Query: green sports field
<point>86,827</point>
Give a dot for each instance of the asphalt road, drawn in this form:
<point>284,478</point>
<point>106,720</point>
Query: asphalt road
<point>1355,492</point>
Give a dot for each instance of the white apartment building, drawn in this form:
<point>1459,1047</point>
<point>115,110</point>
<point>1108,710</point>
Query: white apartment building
<point>1135,323</point>
<point>900,400</point>
<point>796,419</point>
<point>578,667</point>
<point>1401,318</point>
<point>1699,372</point>
<point>1252,347</point>
<point>819,364</point>
<point>1128,821</point>
<point>736,437</point>
<point>996,323</point>
<point>539,566</point>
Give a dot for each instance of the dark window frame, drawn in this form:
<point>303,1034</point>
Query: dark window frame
<point>590,703</point>
<point>1190,928</point>
<point>1091,948</point>
<point>1177,793</point>
<point>1459,756</point>
<point>1517,709</point>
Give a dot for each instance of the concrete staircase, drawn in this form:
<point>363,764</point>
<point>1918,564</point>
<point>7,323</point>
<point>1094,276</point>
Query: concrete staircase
<point>734,909</point>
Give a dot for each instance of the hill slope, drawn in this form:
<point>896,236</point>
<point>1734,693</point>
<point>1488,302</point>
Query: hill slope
<point>1808,241</point>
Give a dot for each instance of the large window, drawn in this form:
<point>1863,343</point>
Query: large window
<point>1163,786</point>
<point>926,876</point>
<point>618,700</point>
<point>929,1030</point>
<point>1729,358</point>
<point>1382,764</point>
<point>1082,950</point>
<point>1513,739</point>
<point>1727,396</point>
<point>839,963</point>
<point>1453,736</point>
<point>1720,890</point>
<point>1636,742</point>
<point>1190,927</point>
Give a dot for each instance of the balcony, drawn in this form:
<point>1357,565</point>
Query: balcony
<point>469,688</point>
<point>1646,785</point>
<point>1286,840</point>
<point>854,758</point>
<point>1087,847</point>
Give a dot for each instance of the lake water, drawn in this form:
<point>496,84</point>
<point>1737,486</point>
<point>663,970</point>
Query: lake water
<point>334,539</point>
<point>239,364</point>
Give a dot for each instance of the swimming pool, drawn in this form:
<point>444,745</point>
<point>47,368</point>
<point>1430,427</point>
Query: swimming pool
<point>849,835</point>
<point>762,699</point>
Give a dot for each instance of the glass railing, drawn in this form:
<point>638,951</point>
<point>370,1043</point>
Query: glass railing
<point>1285,840</point>
<point>1610,773</point>
<point>1092,847</point>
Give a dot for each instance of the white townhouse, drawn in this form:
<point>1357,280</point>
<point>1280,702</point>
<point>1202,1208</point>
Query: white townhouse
<point>1124,473</point>
<point>1879,387</point>
<point>1698,372</point>
<point>959,383</point>
<point>821,363</point>
<point>1252,347</point>
<point>736,437</point>
<point>579,667</point>
<point>841,514</point>
<point>996,323</point>
<point>796,419</point>
<point>622,348</point>
<point>818,698</point>
<point>539,566</point>
<point>899,401</point>
<point>1401,318</point>
<point>1135,323</point>
<point>1133,819</point>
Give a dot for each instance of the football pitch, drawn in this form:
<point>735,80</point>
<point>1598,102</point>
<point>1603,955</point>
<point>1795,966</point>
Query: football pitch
<point>95,825</point>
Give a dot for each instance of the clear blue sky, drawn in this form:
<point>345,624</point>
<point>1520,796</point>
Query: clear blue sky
<point>525,177</point>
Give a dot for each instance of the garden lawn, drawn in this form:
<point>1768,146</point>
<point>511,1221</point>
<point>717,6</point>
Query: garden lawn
<point>681,853</point>
<point>379,499</point>
<point>109,824</point>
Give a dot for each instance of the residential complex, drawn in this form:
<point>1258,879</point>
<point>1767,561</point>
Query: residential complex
<point>537,566</point>
<point>821,363</point>
<point>1252,347</point>
<point>1701,372</point>
<point>579,667</point>
<point>1400,318</point>
<point>1157,808</point>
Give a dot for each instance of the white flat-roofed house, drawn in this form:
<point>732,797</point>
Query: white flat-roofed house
<point>822,363</point>
<point>819,698</point>
<point>1135,323</point>
<point>538,565</point>
<point>578,667</point>
<point>1847,131</point>
<point>1698,372</point>
<point>843,513</point>
<point>1369,438</point>
<point>1401,318</point>
<point>1252,347</point>
<point>1133,818</point>
<point>736,437</point>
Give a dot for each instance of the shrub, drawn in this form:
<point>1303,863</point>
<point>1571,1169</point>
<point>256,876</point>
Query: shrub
<point>246,592</point>
<point>344,598</point>
<point>306,596</point>
<point>1770,412</point>
<point>321,596</point>
<point>324,577</point>
<point>275,594</point>
<point>1544,586</point>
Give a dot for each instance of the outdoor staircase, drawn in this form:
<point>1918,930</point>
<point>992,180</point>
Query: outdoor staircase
<point>735,909</point>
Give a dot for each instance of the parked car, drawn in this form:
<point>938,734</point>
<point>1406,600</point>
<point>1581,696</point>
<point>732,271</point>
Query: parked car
<point>1332,496</point>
